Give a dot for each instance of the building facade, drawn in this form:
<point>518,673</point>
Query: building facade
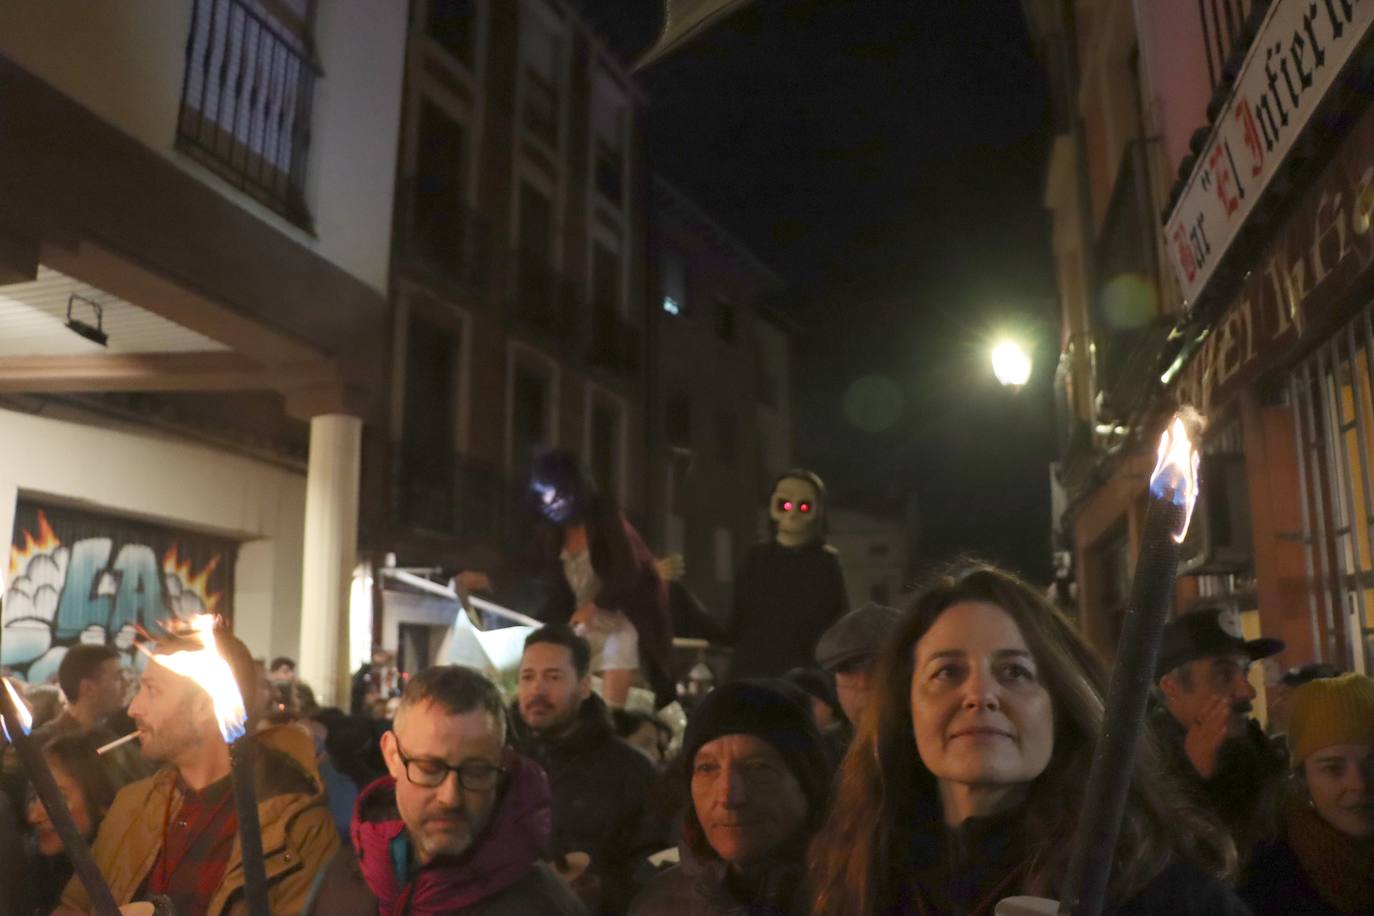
<point>875,549</point>
<point>1211,191</point>
<point>722,392</point>
<point>519,292</point>
<point>194,260</point>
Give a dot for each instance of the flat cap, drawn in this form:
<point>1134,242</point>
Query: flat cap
<point>855,635</point>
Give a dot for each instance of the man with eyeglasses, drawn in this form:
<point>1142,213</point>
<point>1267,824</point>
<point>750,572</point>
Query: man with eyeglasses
<point>460,824</point>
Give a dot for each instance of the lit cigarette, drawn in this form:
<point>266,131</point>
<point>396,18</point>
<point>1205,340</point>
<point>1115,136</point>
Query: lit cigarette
<point>118,742</point>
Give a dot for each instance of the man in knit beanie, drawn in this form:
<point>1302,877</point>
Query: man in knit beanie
<point>759,777</point>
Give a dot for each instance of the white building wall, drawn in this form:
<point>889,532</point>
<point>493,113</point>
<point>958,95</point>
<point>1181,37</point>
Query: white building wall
<point>161,479</point>
<point>873,554</point>
<point>126,61</point>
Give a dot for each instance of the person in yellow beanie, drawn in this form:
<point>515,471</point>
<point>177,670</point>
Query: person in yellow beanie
<point>1323,859</point>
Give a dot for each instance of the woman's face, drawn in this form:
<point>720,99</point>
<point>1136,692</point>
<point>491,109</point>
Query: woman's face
<point>1340,779</point>
<point>49,843</point>
<point>981,715</point>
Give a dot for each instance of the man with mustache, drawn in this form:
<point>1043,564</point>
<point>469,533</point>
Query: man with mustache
<point>459,826</point>
<point>599,780</point>
<point>1204,723</point>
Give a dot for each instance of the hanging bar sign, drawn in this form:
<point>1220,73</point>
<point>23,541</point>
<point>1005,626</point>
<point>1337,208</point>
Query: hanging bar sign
<point>1295,57</point>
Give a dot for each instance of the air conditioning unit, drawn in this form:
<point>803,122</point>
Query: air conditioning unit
<point>1219,539</point>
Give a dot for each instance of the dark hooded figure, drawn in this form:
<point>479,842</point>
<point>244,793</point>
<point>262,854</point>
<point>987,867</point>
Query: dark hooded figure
<point>602,579</point>
<point>790,589</point>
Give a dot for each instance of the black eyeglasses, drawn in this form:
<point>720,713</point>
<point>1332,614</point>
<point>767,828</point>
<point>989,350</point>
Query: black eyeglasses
<point>473,775</point>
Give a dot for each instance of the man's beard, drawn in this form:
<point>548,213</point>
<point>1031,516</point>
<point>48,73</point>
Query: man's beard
<point>450,842</point>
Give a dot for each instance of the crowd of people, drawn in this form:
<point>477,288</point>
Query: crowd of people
<point>929,762</point>
<point>874,761</point>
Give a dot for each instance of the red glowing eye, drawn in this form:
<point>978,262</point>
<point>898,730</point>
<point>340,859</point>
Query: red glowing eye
<point>805,507</point>
<point>787,505</point>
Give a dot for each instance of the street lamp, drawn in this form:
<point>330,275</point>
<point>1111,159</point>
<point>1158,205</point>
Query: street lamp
<point>1011,364</point>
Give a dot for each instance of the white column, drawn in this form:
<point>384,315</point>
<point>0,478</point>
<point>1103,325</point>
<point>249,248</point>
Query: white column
<point>331,540</point>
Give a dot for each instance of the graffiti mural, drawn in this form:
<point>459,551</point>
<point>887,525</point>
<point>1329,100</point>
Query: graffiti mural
<point>77,576</point>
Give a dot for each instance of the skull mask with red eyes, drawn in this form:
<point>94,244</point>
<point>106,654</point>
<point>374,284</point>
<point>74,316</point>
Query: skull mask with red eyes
<point>796,511</point>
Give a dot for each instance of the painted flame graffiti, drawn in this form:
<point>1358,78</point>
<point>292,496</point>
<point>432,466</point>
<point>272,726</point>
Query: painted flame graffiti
<point>46,542</point>
<point>191,581</point>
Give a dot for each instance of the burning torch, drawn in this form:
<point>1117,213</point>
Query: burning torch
<point>1173,493</point>
<point>208,668</point>
<point>16,723</point>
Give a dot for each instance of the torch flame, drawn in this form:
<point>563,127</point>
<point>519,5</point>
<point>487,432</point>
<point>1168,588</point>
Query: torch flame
<point>208,668</point>
<point>1176,472</point>
<point>25,719</point>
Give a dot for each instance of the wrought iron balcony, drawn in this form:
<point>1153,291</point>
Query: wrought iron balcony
<point>246,102</point>
<point>439,235</point>
<point>539,300</point>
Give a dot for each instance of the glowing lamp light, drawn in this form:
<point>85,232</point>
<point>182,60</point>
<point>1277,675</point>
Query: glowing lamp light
<point>208,668</point>
<point>1176,471</point>
<point>22,711</point>
<point>1011,364</point>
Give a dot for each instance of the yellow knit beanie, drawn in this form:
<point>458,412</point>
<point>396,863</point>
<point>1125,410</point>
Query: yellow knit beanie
<point>1333,710</point>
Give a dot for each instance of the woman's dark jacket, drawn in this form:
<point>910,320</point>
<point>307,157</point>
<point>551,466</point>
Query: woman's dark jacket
<point>964,871</point>
<point>1309,868</point>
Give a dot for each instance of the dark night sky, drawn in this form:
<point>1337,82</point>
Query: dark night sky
<point>887,157</point>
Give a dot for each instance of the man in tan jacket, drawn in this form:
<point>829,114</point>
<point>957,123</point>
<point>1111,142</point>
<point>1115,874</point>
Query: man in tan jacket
<point>175,834</point>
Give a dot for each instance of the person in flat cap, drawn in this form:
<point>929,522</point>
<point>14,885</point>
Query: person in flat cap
<point>759,777</point>
<point>1203,720</point>
<point>849,651</point>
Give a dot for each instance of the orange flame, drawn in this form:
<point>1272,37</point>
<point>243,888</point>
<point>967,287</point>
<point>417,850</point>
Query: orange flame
<point>208,668</point>
<point>21,710</point>
<point>191,581</point>
<point>1175,475</point>
<point>46,542</point>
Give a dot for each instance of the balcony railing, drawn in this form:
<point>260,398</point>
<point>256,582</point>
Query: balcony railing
<point>1223,22</point>
<point>439,234</point>
<point>246,103</point>
<point>615,342</point>
<point>539,299</point>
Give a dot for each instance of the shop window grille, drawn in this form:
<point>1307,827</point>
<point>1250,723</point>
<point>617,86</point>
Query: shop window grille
<point>1332,395</point>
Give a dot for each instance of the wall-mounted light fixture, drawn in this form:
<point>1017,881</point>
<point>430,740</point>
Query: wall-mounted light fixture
<point>95,334</point>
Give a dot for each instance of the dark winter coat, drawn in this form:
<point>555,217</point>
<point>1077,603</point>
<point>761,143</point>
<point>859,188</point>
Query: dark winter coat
<point>630,583</point>
<point>701,886</point>
<point>501,875</point>
<point>17,896</point>
<point>1243,793</point>
<point>785,598</point>
<point>600,784</point>
<point>971,867</point>
<point>1311,868</point>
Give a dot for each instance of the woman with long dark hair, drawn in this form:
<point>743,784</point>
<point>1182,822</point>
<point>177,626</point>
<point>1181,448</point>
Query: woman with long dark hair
<point>961,787</point>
